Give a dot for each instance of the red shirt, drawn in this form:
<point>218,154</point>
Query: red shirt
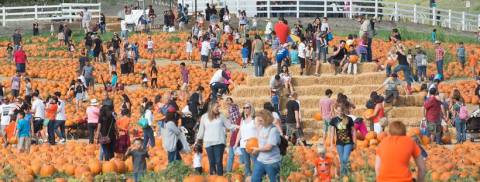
<point>281,29</point>
<point>433,109</point>
<point>439,53</point>
<point>20,57</point>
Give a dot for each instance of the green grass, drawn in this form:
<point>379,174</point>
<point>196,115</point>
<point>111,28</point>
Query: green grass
<point>454,5</point>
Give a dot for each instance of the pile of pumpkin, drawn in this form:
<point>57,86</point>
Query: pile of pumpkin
<point>466,88</point>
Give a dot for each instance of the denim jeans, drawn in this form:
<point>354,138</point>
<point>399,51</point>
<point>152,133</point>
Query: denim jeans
<point>215,87</point>
<point>369,49</point>
<point>60,128</point>
<point>137,175</point>
<point>257,64</point>
<point>247,160</point>
<point>215,159</point>
<point>461,125</point>
<point>51,132</point>
<point>388,70</point>
<point>148,137</point>
<point>272,170</point>
<point>363,57</point>
<point>231,159</point>
<point>440,67</point>
<point>108,150</point>
<point>92,127</point>
<point>174,156</point>
<point>406,72</point>
<point>421,72</point>
<point>344,155</point>
<point>100,154</point>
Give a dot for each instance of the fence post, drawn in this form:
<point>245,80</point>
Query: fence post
<point>434,16</point>
<point>268,8</point>
<point>36,12</point>
<point>479,20</point>
<point>376,9</point>
<point>415,13</point>
<point>70,13</point>
<point>395,16</point>
<point>325,8</point>
<point>4,14</point>
<point>463,21</point>
<point>236,5</point>
<point>449,18</point>
<point>99,11</point>
<point>298,8</point>
<point>351,9</point>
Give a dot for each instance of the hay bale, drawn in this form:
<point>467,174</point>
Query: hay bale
<point>325,68</point>
<point>406,112</point>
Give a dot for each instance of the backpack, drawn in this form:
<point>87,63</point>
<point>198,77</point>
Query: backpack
<point>282,145</point>
<point>463,112</point>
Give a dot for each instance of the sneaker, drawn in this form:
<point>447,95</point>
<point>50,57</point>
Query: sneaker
<point>62,141</point>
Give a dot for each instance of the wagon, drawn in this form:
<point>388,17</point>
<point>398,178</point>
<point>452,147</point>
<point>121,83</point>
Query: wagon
<point>473,125</point>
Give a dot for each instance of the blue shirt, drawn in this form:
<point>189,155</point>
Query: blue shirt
<point>244,52</point>
<point>434,36</point>
<point>275,43</point>
<point>294,56</point>
<point>281,54</point>
<point>23,126</point>
<point>135,50</point>
<point>461,51</point>
<point>114,80</point>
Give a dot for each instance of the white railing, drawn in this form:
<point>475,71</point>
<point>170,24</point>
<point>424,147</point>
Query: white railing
<point>64,11</point>
<point>393,11</point>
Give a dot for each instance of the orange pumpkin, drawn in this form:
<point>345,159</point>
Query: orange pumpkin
<point>317,116</point>
<point>47,170</point>
<point>368,114</point>
<point>354,59</point>
<point>252,143</point>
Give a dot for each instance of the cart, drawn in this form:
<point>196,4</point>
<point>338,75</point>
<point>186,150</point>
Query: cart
<point>473,125</point>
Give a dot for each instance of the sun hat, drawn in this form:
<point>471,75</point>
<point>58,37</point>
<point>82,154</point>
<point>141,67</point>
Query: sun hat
<point>93,102</point>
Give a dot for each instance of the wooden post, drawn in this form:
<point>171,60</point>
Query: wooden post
<point>415,14</point>
<point>351,9</point>
<point>395,13</point>
<point>479,20</point>
<point>463,21</point>
<point>268,8</point>
<point>325,6</point>
<point>36,12</point>
<point>4,14</point>
<point>100,11</point>
<point>298,8</point>
<point>434,16</point>
<point>449,18</point>
<point>70,13</point>
<point>376,8</point>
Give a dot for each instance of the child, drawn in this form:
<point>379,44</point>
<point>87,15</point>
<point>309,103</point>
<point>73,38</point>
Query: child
<point>23,131</point>
<point>421,64</point>
<point>461,54</point>
<point>349,42</point>
<point>185,80</point>
<point>323,164</point>
<point>71,48</point>
<point>244,53</point>
<point>217,57</point>
<point>434,35</point>
<point>352,61</point>
<point>189,48</point>
<point>114,80</point>
<point>197,158</point>
<point>61,38</point>
<point>150,45</point>
<point>139,156</point>
<point>28,86</point>
<point>144,80</point>
<point>10,51</point>
<point>275,100</point>
<point>362,48</point>
<point>309,56</point>
<point>294,55</point>
<point>472,62</point>
<point>236,36</point>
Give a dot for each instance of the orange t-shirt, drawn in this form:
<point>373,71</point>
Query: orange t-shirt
<point>51,111</point>
<point>395,153</point>
<point>122,123</point>
<point>323,166</point>
<point>472,61</point>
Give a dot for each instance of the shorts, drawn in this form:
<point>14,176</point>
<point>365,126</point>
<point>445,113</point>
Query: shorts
<point>2,130</point>
<point>79,96</point>
<point>20,67</point>
<point>326,124</point>
<point>462,60</point>
<point>390,95</point>
<point>184,87</point>
<point>204,58</point>
<point>15,93</point>
<point>434,127</point>
<point>292,129</point>
<point>302,62</point>
<point>89,81</point>
<point>37,125</point>
<point>244,60</point>
<point>335,62</point>
<point>24,143</point>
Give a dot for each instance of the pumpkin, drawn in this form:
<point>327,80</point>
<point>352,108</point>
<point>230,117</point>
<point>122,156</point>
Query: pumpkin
<point>317,116</point>
<point>371,135</point>
<point>354,59</point>
<point>425,140</point>
<point>252,143</point>
<point>47,170</point>
<point>109,167</point>
<point>95,167</point>
<point>194,178</point>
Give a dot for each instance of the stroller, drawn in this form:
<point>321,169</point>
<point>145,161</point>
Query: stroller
<point>473,125</point>
<point>189,125</point>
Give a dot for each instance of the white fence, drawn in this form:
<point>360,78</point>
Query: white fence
<point>393,11</point>
<point>64,11</point>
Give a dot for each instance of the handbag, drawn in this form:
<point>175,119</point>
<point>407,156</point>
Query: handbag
<point>329,36</point>
<point>105,139</point>
<point>143,122</point>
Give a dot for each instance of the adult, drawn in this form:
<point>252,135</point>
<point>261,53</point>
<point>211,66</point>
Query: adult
<point>378,115</point>
<point>339,57</point>
<point>93,113</point>
<point>195,101</point>
<point>217,82</point>
<point>276,85</point>
<point>50,114</point>
<point>281,56</point>
<point>268,158</point>
<point>67,32</point>
<point>421,63</point>
<point>294,118</point>
<point>148,130</point>
<point>366,29</point>
<point>86,18</point>
<point>248,130</point>
<point>82,61</point>
<point>116,41</point>
<point>282,30</point>
<point>343,105</point>
<point>6,114</point>
<point>151,14</point>
<point>342,128</point>
<point>277,121</point>
<point>391,85</point>
<point>107,131</point>
<point>15,85</point>
<point>392,164</point>
<point>212,131</point>
<point>98,48</point>
<point>403,64</point>
<point>170,138</point>
<point>433,111</point>
<point>126,108</point>
<point>208,11</point>
<point>439,56</point>
<point>102,23</point>
<point>205,50</point>
<point>60,118</point>
<point>235,118</point>
<point>257,55</point>
<point>326,106</point>
<point>17,39</point>
<point>20,59</point>
<point>457,102</point>
<point>38,107</point>
<point>87,72</point>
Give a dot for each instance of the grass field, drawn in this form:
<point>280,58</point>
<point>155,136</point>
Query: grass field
<point>454,5</point>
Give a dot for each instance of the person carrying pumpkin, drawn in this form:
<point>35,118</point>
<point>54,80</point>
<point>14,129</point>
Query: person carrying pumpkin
<point>323,164</point>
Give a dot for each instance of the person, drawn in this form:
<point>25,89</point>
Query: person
<point>86,18</point>
<point>15,85</point>
<point>67,33</point>
<point>281,57</point>
<point>403,64</point>
<point>392,164</point>
<point>79,94</point>
<point>151,15</point>
<point>302,54</point>
<point>248,130</point>
<point>294,119</point>
<point>439,55</point>
<point>50,114</point>
<point>195,101</point>
<point>170,138</point>
<point>326,108</point>
<point>323,164</point>
<point>268,151</point>
<point>97,49</point>
<point>378,116</point>
<point>126,108</point>
<point>17,39</point>
<point>212,131</point>
<point>287,79</point>
<point>139,158</point>
<point>148,130</point>
<point>309,56</point>
<point>9,52</point>
<point>6,113</point>
<point>20,59</point>
<point>434,35</point>
<point>421,62</point>
<point>28,86</point>
<point>23,131</point>
<point>107,131</point>
<point>294,59</point>
<point>205,50</point>
<point>93,113</point>
<point>244,54</point>
<point>360,127</point>
<point>461,54</point>
<point>268,30</point>
<point>197,158</point>
<point>87,72</point>
<point>367,29</point>
<point>351,63</point>
<point>60,118</point>
<point>282,31</point>
<point>236,119</point>
<point>391,88</point>
<point>38,108</point>
<point>339,56</point>
<point>277,121</point>
<point>189,48</point>
<point>433,111</point>
<point>217,82</point>
<point>459,120</point>
<point>322,46</point>
<point>35,28</point>
<point>342,128</point>
<point>257,55</point>
<point>82,61</point>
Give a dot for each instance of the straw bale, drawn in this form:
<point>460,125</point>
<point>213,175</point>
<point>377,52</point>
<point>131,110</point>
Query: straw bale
<point>325,68</point>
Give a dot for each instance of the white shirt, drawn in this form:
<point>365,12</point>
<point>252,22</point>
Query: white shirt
<point>226,17</point>
<point>38,108</point>
<point>123,25</point>
<point>87,16</point>
<point>197,160</point>
<point>301,50</point>
<point>268,28</point>
<point>6,111</point>
<point>247,131</point>
<point>217,77</point>
<point>324,27</point>
<point>189,47</point>
<point>61,111</point>
<point>150,44</point>
<point>227,29</point>
<point>205,48</point>
<point>149,117</point>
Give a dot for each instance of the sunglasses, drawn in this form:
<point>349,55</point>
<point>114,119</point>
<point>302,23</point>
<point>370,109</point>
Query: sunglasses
<point>248,107</point>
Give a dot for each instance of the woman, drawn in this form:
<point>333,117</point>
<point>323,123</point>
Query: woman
<point>235,118</point>
<point>93,113</point>
<point>343,103</point>
<point>248,130</point>
<point>287,79</point>
<point>344,132</point>
<point>213,126</point>
<point>378,116</point>
<point>123,141</point>
<point>126,106</point>
<point>460,124</point>
<point>170,138</point>
<point>268,152</point>
<point>257,47</point>
<point>148,130</point>
<point>392,164</point>
<point>107,132</point>
<point>153,74</point>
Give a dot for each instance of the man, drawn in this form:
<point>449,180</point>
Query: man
<point>86,18</point>
<point>282,30</point>
<point>276,84</point>
<point>366,28</point>
<point>20,59</point>
<point>205,51</point>
<point>38,108</point>
<point>217,83</point>
<point>293,120</point>
<point>82,61</point>
<point>391,90</point>
<point>195,101</point>
<point>281,55</point>
<point>439,55</point>
<point>60,118</point>
<point>88,74</point>
<point>16,39</point>
<point>6,111</point>
<point>68,33</point>
<point>403,64</point>
<point>339,57</point>
<point>433,111</point>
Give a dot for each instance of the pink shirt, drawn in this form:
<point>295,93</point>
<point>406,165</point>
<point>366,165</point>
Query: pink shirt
<point>361,127</point>
<point>93,113</point>
<point>326,108</point>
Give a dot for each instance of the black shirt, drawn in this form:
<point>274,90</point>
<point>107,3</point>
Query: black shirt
<point>111,57</point>
<point>344,133</point>
<point>340,54</point>
<point>68,32</point>
<point>116,43</point>
<point>82,61</point>
<point>402,59</point>
<point>292,106</point>
<point>107,127</point>
<point>98,44</point>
